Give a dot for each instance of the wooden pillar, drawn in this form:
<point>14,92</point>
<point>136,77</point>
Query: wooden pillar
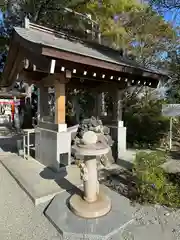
<point>38,106</point>
<point>117,105</point>
<point>60,103</point>
<point>103,104</point>
<point>98,105</point>
<point>43,102</point>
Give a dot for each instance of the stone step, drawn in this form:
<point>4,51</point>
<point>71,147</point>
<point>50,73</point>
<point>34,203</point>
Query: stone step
<point>39,182</point>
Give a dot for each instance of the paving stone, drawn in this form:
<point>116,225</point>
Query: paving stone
<point>39,182</point>
<point>73,227</point>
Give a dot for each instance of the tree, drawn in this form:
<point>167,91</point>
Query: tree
<point>149,37</point>
<point>4,37</point>
<point>173,63</point>
<point>111,16</point>
<point>48,12</point>
<point>133,27</point>
<point>125,23</point>
<point>170,8</point>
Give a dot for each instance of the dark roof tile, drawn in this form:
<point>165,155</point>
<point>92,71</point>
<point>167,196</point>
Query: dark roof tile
<point>67,43</point>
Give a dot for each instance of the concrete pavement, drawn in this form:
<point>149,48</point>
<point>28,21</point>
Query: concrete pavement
<point>19,218</point>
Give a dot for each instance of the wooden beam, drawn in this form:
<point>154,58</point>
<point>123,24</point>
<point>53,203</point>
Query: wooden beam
<point>17,67</point>
<point>108,65</point>
<point>96,84</point>
<point>42,63</point>
<point>33,76</point>
<point>48,81</point>
<point>51,79</point>
<point>60,103</point>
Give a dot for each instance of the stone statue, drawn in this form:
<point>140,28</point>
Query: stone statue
<point>103,135</point>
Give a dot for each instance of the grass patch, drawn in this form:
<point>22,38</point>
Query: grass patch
<point>153,184</point>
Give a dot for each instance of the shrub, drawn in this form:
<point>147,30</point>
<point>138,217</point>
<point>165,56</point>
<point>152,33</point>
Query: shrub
<point>153,185</point>
<point>145,124</point>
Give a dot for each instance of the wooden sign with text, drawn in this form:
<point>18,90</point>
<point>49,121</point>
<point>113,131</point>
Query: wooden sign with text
<point>171,110</point>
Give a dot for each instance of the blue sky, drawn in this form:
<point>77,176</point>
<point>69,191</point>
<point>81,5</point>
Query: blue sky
<point>173,16</point>
<point>1,16</point>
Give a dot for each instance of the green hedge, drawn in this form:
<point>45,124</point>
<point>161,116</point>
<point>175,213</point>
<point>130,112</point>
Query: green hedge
<point>145,124</point>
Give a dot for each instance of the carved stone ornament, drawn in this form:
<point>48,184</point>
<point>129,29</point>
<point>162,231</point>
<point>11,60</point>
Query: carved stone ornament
<point>83,172</point>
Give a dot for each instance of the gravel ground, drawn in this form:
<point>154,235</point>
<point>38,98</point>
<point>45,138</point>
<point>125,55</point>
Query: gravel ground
<point>154,222</point>
<point>19,218</point>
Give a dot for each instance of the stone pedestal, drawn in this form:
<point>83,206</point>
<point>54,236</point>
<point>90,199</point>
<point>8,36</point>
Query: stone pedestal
<point>93,203</point>
<point>91,185</point>
<point>121,139</point>
<point>118,134</point>
<point>53,141</point>
<point>107,227</point>
<point>53,145</point>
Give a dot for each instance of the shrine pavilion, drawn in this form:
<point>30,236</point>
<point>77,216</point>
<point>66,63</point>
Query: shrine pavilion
<point>49,58</point>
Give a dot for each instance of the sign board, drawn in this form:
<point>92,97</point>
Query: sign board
<point>6,101</point>
<point>10,102</point>
<point>171,110</point>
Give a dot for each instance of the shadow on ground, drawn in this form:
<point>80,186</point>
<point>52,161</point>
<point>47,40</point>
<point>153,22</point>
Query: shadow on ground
<point>125,164</point>
<point>175,155</point>
<point>121,181</point>
<point>9,138</point>
<point>60,179</point>
<point>9,143</point>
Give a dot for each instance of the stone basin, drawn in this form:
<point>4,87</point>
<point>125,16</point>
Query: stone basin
<point>91,149</point>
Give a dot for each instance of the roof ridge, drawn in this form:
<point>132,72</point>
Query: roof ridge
<point>64,35</point>
<point>50,31</point>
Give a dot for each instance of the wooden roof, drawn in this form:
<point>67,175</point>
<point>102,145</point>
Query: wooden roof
<point>40,45</point>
